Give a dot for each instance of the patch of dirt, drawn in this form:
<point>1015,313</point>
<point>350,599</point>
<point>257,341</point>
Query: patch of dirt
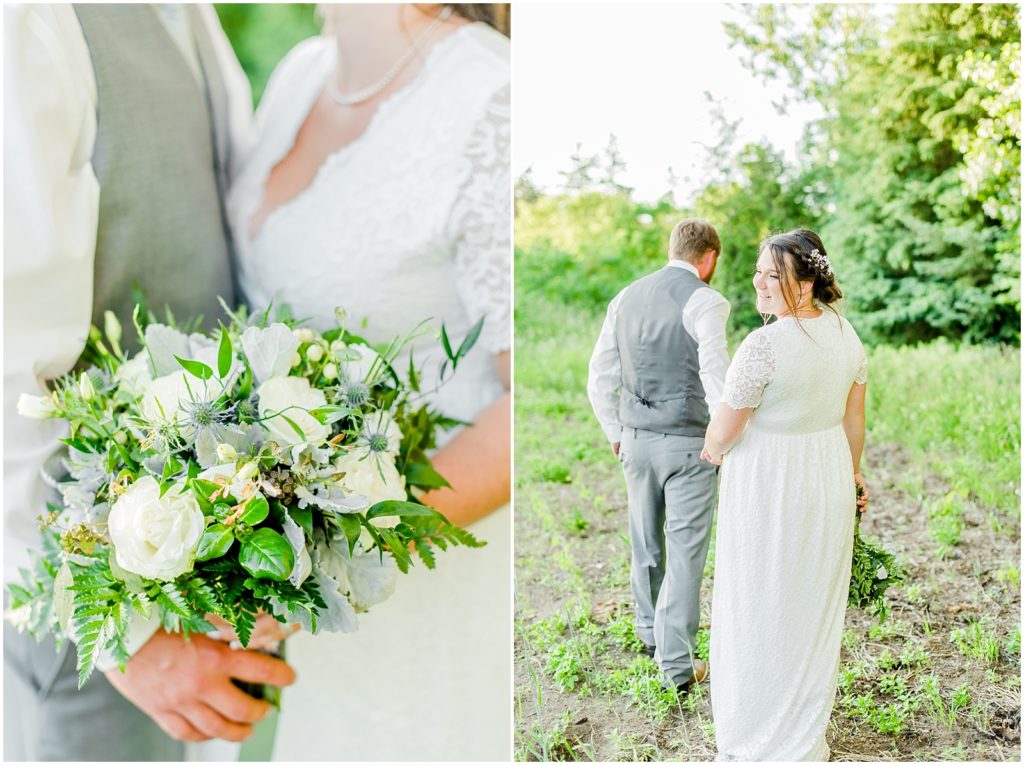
<point>953,591</point>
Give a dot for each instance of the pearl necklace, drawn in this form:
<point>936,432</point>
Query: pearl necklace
<point>351,99</point>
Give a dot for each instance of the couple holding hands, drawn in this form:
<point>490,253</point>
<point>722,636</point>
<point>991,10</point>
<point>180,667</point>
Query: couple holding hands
<point>781,427</point>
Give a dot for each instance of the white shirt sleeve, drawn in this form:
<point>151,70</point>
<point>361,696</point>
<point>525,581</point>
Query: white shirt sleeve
<point>51,210</point>
<point>51,207</point>
<point>605,377</point>
<point>704,318</point>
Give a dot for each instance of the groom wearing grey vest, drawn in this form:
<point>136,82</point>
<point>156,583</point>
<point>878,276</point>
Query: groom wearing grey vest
<point>656,371</point>
<point>117,151</point>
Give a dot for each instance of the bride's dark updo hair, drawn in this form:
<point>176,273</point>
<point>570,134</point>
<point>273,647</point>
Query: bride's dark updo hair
<point>494,14</point>
<point>800,255</point>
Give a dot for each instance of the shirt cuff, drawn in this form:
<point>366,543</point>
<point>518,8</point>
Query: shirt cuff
<point>140,630</point>
<point>613,432</point>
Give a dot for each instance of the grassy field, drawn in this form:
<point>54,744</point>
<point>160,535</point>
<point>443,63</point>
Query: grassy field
<point>938,680</point>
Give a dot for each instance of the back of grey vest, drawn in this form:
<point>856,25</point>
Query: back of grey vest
<point>661,387</point>
<point>161,227</point>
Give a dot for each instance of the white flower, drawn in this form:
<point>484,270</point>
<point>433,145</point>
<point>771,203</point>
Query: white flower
<point>304,334</point>
<point>230,475</point>
<point>357,360</point>
<point>155,537</point>
<point>134,375</point>
<point>375,478</point>
<point>164,396</point>
<point>290,397</point>
<point>36,407</point>
<point>164,344</point>
<point>226,453</point>
<point>269,351</point>
<point>85,387</point>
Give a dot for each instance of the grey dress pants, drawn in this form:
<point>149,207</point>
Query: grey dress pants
<point>46,717</point>
<point>671,502</point>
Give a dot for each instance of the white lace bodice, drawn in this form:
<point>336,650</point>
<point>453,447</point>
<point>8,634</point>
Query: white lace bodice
<point>410,221</point>
<point>797,378</point>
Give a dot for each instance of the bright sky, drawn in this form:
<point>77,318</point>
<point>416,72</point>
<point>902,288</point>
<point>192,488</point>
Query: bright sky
<point>581,72</point>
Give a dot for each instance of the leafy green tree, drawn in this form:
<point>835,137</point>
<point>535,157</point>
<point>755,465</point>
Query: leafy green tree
<point>920,153</point>
<point>262,33</point>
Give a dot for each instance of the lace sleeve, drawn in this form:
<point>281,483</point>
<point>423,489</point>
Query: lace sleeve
<point>482,221</point>
<point>862,371</point>
<point>752,368</point>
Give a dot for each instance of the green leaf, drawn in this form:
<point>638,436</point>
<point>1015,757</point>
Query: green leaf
<point>195,368</point>
<point>414,378</point>
<point>396,549</point>
<point>469,341</point>
<point>256,510</point>
<point>327,415</point>
<point>79,443</point>
<point>392,507</point>
<point>301,433</point>
<point>423,474</point>
<point>267,555</point>
<point>215,542</point>
<point>303,517</point>
<point>446,344</point>
<point>224,355</point>
<point>202,490</point>
<point>351,526</point>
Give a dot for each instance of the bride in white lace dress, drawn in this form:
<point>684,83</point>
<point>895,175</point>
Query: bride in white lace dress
<point>379,181</point>
<point>792,430</point>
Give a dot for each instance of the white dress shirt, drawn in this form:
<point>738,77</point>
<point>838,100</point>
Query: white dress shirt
<point>51,210</point>
<point>704,317</point>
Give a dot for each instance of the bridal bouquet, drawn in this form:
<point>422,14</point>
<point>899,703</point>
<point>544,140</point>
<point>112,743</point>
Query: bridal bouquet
<point>874,571</point>
<point>263,467</point>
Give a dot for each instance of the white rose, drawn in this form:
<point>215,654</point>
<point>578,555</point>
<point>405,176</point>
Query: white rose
<point>134,375</point>
<point>155,537</point>
<point>269,350</point>
<point>291,397</point>
<point>374,477</point>
<point>36,407</point>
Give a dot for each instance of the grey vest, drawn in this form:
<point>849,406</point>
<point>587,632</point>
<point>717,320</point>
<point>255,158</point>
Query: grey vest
<point>661,387</point>
<point>162,231</point>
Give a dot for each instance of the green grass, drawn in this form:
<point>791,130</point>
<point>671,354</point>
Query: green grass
<point>955,408</point>
<point>977,641</point>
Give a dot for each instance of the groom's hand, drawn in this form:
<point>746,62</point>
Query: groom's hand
<point>615,449</point>
<point>186,688</point>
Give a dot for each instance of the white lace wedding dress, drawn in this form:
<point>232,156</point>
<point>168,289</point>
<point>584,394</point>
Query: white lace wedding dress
<point>410,221</point>
<point>784,541</point>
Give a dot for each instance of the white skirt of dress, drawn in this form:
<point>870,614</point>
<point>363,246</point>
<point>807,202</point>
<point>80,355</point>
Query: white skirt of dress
<point>428,675</point>
<point>784,547</point>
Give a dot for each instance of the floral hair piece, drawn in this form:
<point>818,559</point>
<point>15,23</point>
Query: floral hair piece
<point>820,262</point>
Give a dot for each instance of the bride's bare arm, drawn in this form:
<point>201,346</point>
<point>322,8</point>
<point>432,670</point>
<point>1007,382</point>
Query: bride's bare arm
<point>853,422</point>
<point>477,462</point>
<point>724,431</point>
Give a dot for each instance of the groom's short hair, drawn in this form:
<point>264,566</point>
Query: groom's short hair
<point>691,238</point>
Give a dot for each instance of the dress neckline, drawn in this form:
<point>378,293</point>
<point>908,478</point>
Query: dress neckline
<point>386,106</point>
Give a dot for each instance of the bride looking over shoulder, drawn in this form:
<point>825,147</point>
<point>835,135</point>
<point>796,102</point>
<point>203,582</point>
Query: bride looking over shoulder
<point>378,180</point>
